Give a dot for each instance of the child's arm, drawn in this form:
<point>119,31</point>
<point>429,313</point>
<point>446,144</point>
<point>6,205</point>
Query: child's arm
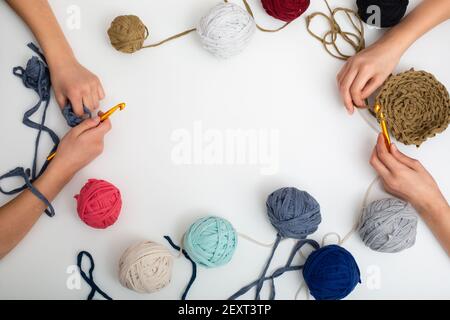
<point>367,70</point>
<point>407,179</point>
<point>71,81</point>
<point>79,147</point>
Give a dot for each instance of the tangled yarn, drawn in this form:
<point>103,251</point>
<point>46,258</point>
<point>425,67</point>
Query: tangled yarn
<point>127,33</point>
<point>226,30</point>
<point>35,76</point>
<point>146,267</point>
<point>99,203</point>
<point>293,213</point>
<point>335,33</point>
<point>390,11</point>
<point>285,10</point>
<point>416,106</point>
<point>331,273</point>
<point>210,241</point>
<point>388,225</point>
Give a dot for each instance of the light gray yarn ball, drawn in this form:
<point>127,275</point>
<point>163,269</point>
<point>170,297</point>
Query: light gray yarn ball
<point>146,267</point>
<point>226,30</point>
<point>388,225</point>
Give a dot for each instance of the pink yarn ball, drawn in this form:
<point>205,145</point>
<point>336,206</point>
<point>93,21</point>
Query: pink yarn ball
<point>99,203</point>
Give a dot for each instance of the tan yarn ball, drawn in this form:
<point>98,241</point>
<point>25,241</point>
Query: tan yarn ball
<point>416,106</point>
<point>127,33</point>
<point>146,267</point>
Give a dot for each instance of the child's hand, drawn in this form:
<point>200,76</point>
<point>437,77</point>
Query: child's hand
<point>72,82</point>
<point>80,146</point>
<point>406,178</point>
<point>365,72</point>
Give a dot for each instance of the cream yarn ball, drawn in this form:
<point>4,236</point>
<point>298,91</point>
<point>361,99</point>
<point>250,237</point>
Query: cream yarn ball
<point>146,267</point>
<point>226,30</point>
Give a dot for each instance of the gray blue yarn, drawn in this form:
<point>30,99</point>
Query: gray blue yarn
<point>71,118</point>
<point>294,214</point>
<point>388,225</point>
<point>36,76</point>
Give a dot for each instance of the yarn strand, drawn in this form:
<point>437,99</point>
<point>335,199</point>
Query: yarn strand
<point>262,244</point>
<point>250,12</point>
<point>90,279</point>
<point>329,39</point>
<point>176,36</point>
<point>194,266</point>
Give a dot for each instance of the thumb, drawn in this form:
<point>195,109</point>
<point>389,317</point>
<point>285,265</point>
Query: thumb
<point>86,125</point>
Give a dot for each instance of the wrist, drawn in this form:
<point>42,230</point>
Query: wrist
<point>433,207</point>
<point>60,170</point>
<point>59,57</point>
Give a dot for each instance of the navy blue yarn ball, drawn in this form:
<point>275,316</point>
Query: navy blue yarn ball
<point>293,212</point>
<point>331,273</point>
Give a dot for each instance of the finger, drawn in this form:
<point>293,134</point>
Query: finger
<point>102,129</point>
<point>385,157</point>
<point>372,85</point>
<point>94,98</point>
<point>87,101</point>
<point>101,92</point>
<point>86,125</point>
<point>379,167</point>
<point>357,86</point>
<point>77,104</point>
<point>404,159</point>
<point>61,100</point>
<point>344,89</point>
<point>342,72</point>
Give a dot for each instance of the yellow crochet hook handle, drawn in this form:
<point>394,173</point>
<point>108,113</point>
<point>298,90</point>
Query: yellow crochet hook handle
<point>103,117</point>
<point>384,129</point>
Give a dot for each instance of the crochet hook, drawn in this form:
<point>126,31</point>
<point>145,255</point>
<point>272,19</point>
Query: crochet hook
<point>103,117</point>
<point>384,130</point>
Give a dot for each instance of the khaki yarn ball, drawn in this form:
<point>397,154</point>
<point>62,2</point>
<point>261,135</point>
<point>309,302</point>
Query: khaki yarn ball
<point>146,267</point>
<point>416,106</point>
<point>127,33</point>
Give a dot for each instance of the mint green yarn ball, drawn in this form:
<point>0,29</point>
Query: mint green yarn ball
<point>210,242</point>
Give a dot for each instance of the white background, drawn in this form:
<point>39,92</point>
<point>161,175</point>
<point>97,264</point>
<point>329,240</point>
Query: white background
<point>283,81</point>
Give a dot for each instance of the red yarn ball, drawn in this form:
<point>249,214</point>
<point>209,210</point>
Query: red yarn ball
<point>286,10</point>
<point>99,203</point>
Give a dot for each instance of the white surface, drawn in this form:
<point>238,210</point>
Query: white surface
<point>283,81</point>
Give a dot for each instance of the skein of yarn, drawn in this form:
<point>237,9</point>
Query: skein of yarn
<point>285,10</point>
<point>146,267</point>
<point>226,30</point>
<point>210,241</point>
<point>331,273</point>
<point>293,213</point>
<point>127,34</point>
<point>382,13</point>
<point>416,106</point>
<point>99,203</point>
<point>388,225</point>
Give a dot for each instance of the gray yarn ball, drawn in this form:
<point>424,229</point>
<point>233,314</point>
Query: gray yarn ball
<point>388,225</point>
<point>226,30</point>
<point>293,212</point>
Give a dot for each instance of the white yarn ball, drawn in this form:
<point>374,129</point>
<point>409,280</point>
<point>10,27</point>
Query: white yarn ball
<point>226,30</point>
<point>145,267</point>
